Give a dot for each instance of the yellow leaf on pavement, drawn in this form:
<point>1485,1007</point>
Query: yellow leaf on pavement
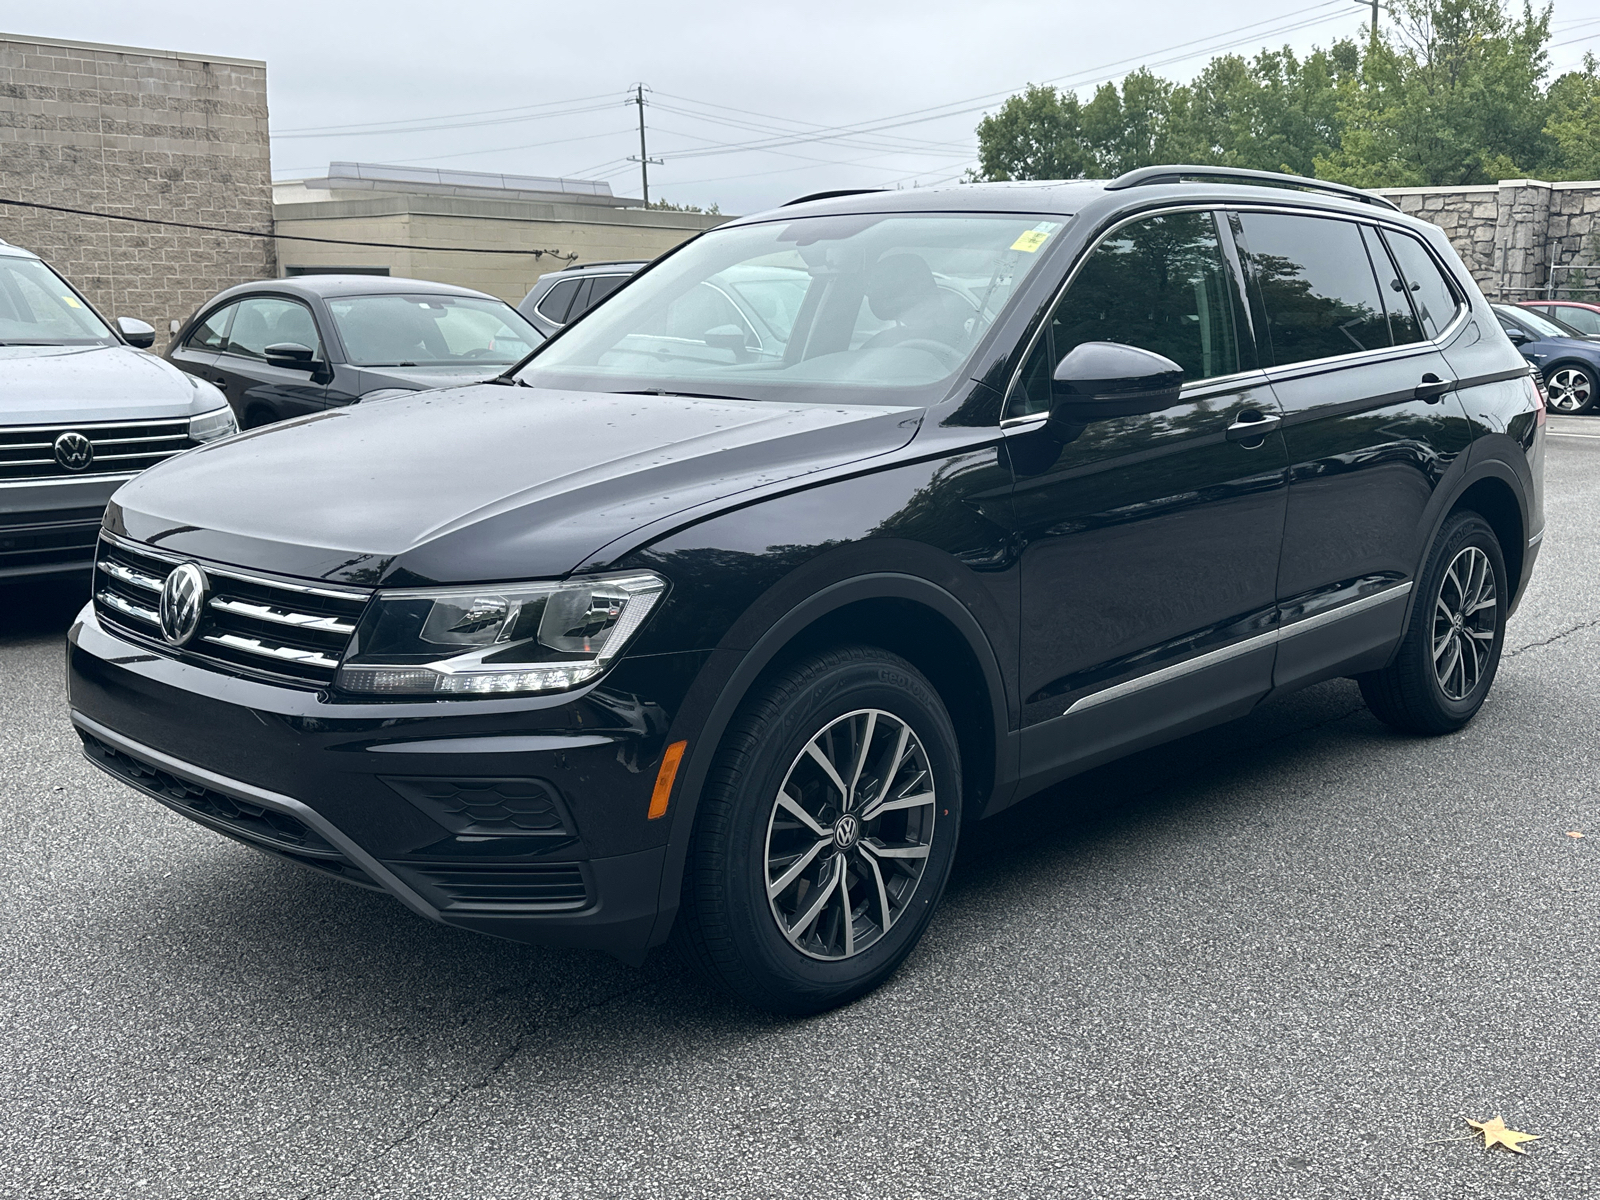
<point>1495,1133</point>
<point>1573,833</point>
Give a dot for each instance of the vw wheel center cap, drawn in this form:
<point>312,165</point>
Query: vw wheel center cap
<point>183,599</point>
<point>74,451</point>
<point>846,831</point>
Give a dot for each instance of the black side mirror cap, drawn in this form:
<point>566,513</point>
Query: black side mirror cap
<point>731,338</point>
<point>1100,380</point>
<point>136,333</point>
<point>1518,338</point>
<point>291,356</point>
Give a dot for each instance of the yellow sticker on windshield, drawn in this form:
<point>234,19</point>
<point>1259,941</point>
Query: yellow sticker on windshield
<point>1030,241</point>
<point>71,301</point>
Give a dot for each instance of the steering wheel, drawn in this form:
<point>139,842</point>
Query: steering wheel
<point>948,354</point>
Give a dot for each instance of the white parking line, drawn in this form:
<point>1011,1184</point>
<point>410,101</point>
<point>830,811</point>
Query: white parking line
<point>1555,433</point>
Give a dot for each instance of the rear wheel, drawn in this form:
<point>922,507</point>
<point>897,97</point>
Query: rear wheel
<point>258,416</point>
<point>825,834</point>
<point>1572,388</point>
<point>1447,661</point>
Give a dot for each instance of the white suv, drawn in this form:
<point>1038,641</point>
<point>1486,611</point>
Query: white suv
<point>83,409</point>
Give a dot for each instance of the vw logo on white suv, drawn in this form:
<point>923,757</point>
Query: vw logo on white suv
<point>183,598</point>
<point>74,451</point>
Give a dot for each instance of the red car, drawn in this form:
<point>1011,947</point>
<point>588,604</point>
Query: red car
<point>1582,316</point>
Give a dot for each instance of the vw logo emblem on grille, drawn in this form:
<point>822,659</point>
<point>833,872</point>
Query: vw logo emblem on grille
<point>846,830</point>
<point>183,599</point>
<point>74,451</point>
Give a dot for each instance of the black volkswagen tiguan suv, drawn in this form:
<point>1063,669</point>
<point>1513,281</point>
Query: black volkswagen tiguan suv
<point>675,632</point>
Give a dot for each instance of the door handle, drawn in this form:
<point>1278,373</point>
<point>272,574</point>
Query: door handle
<point>1432,389</point>
<point>1251,426</point>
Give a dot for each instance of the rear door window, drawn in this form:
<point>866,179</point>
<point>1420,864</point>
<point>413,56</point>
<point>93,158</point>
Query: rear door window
<point>1584,320</point>
<point>1431,294</point>
<point>1403,324</point>
<point>1316,286</point>
<point>600,288</point>
<point>558,300</point>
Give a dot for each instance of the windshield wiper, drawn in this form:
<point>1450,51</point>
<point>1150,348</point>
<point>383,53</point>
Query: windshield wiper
<point>682,395</point>
<point>509,381</point>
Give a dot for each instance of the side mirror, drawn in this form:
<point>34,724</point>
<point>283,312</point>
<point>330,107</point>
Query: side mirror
<point>730,338</point>
<point>136,333</point>
<point>1099,380</point>
<point>291,356</point>
<point>1518,337</point>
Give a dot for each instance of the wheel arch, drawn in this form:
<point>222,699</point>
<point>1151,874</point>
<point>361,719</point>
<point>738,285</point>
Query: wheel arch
<point>902,613</point>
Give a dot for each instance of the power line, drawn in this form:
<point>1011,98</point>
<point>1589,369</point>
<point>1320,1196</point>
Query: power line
<point>280,237</point>
<point>359,126</point>
<point>563,112</point>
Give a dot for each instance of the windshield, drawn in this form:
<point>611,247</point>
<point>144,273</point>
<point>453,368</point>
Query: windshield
<point>430,331</point>
<point>1543,326</point>
<point>37,308</point>
<point>861,309</point>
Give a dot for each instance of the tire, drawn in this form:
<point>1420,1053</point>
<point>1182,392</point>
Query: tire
<point>1411,693</point>
<point>1572,387</point>
<point>745,835</point>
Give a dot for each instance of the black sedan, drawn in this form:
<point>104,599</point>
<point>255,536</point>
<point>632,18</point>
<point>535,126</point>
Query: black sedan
<point>282,348</point>
<point>1569,361</point>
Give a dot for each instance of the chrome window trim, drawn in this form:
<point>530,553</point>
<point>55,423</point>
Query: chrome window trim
<point>1139,683</point>
<point>1462,314</point>
<point>303,813</point>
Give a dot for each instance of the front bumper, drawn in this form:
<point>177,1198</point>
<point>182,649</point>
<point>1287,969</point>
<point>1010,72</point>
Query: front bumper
<point>524,819</point>
<point>48,527</point>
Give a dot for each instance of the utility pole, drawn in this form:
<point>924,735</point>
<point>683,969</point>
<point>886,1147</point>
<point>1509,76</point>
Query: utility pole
<point>644,160</point>
<point>1363,3</point>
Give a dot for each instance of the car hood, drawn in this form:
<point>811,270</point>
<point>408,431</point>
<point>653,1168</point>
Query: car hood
<point>481,483</point>
<point>422,378</point>
<point>46,385</point>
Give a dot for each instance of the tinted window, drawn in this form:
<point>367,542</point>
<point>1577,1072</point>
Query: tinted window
<point>264,321</point>
<point>1533,323</point>
<point>212,333</point>
<point>1316,286</point>
<point>1392,289</point>
<point>602,287</point>
<point>1584,320</point>
<point>1431,295</point>
<point>555,304</point>
<point>399,331</point>
<point>1159,284</point>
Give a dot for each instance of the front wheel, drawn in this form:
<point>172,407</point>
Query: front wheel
<point>1572,389</point>
<point>825,834</point>
<point>1447,661</point>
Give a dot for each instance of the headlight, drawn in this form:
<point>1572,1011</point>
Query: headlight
<point>494,640</point>
<point>208,427</point>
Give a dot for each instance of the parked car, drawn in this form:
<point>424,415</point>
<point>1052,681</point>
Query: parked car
<point>83,409</point>
<point>653,639</point>
<point>1568,361</point>
<point>1579,314</point>
<point>283,348</point>
<point>561,297</point>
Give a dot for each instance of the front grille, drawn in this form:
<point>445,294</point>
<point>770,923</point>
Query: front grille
<point>28,541</point>
<point>260,826</point>
<point>271,628</point>
<point>499,888</point>
<point>119,447</point>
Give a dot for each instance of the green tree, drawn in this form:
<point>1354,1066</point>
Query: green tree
<point>1573,124</point>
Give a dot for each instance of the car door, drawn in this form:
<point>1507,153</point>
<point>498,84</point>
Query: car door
<point>259,391</point>
<point>1148,544</point>
<point>1372,424</point>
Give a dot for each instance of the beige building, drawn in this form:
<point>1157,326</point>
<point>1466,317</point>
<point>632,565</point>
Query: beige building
<point>137,133</point>
<point>497,217</point>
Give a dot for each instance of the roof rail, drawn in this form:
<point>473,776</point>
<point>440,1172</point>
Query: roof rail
<point>1145,176</point>
<point>605,262</point>
<point>831,195</point>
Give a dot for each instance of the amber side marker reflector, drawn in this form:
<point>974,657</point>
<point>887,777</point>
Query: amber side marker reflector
<point>664,778</point>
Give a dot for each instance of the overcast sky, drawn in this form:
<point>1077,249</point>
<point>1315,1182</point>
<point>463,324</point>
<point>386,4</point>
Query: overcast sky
<point>540,89</point>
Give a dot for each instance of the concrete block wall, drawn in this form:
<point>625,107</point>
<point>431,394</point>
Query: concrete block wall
<point>1511,234</point>
<point>134,132</point>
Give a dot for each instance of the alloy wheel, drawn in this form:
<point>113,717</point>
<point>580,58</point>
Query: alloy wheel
<point>1570,389</point>
<point>1465,622</point>
<point>849,834</point>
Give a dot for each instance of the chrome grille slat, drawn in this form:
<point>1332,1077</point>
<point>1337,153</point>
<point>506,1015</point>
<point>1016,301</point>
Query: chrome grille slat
<point>126,607</point>
<point>262,612</point>
<point>259,625</point>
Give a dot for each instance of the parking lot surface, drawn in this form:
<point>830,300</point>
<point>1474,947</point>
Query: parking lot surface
<point>1281,958</point>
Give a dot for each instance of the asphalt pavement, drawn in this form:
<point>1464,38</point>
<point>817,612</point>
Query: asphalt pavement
<point>1284,958</point>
